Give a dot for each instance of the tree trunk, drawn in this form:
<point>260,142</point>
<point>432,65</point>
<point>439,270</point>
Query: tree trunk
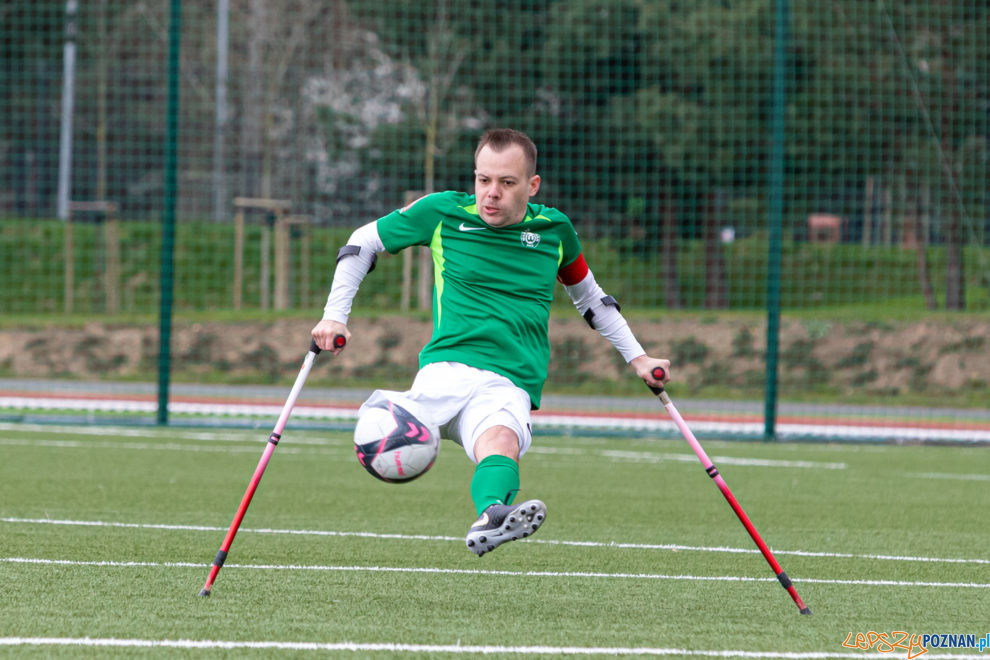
<point>715,286</point>
<point>668,256</point>
<point>955,287</point>
<point>868,212</point>
<point>251,104</point>
<point>102,66</point>
<point>914,211</point>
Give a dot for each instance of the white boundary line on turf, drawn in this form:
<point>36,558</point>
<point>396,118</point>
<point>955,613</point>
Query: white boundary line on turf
<point>426,537</point>
<point>307,448</point>
<point>750,429</point>
<point>653,457</point>
<point>118,431</point>
<point>305,439</point>
<point>949,475</point>
<point>219,409</point>
<point>241,435</point>
<point>474,571</point>
<point>162,446</point>
<point>456,649</point>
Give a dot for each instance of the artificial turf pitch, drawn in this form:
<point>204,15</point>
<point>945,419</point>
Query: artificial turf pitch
<point>106,536</point>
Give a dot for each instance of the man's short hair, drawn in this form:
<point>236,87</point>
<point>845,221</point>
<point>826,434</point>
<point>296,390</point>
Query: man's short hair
<point>499,139</point>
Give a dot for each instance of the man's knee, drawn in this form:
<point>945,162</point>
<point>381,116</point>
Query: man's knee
<point>498,440</point>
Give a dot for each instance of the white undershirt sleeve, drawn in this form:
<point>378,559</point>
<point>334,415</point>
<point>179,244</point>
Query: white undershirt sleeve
<point>588,296</point>
<point>350,272</point>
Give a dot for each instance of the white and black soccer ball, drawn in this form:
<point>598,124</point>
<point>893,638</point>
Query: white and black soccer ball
<point>393,444</point>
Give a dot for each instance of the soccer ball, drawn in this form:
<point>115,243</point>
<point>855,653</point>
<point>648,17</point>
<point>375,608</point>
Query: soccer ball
<point>392,444</point>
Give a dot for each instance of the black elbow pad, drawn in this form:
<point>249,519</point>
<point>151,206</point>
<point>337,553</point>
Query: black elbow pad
<point>606,301</point>
<point>350,250</point>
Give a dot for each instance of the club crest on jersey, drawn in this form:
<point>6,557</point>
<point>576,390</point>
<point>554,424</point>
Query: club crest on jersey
<point>529,238</point>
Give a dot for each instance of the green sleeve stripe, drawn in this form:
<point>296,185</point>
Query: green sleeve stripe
<point>560,254</point>
<point>436,247</point>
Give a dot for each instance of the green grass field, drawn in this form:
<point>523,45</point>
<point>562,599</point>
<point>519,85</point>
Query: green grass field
<point>107,534</point>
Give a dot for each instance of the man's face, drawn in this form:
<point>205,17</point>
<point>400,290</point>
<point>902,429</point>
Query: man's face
<point>502,186</point>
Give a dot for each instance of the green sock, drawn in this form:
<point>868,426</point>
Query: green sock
<point>495,481</point>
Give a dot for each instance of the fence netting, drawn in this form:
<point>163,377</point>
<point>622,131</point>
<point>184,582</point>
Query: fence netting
<point>676,135</point>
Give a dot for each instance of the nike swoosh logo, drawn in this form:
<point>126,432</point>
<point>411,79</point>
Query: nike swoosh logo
<point>481,522</point>
<point>464,227</point>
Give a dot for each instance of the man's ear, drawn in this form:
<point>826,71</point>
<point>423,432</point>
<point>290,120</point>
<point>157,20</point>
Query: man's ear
<point>534,185</point>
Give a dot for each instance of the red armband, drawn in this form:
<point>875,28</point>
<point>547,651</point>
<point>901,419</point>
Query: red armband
<point>573,272</point>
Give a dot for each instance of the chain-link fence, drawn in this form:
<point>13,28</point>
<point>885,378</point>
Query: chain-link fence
<point>707,152</point>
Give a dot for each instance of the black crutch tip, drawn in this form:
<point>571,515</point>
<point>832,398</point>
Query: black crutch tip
<point>206,592</point>
<point>806,610</point>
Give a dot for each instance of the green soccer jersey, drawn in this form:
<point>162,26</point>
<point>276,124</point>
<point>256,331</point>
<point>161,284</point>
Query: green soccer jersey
<point>493,286</point>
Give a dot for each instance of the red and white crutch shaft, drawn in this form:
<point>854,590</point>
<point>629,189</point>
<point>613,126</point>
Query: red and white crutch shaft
<point>712,471</point>
<point>273,439</point>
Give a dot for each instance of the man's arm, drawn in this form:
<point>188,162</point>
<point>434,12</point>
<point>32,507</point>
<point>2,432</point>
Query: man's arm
<point>354,261</point>
<point>602,313</point>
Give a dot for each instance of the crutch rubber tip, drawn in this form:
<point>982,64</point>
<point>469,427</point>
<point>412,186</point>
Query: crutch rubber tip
<point>206,592</point>
<point>806,610</point>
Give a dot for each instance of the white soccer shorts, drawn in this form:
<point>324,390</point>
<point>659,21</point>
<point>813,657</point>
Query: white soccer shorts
<point>464,402</point>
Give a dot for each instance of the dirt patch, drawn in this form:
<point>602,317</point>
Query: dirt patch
<point>888,358</point>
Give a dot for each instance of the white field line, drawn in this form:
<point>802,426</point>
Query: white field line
<point>116,431</point>
<point>615,455</point>
<point>342,447</point>
<point>612,455</point>
<point>648,457</point>
<point>458,539</point>
<point>233,435</point>
<point>748,429</point>
<point>221,409</point>
<point>475,571</point>
<point>157,446</point>
<point>456,649</point>
<point>756,429</point>
<point>946,475</point>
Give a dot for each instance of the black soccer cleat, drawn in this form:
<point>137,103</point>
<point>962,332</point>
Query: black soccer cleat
<point>503,522</point>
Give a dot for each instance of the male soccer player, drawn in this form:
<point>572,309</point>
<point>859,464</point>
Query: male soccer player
<point>496,260</point>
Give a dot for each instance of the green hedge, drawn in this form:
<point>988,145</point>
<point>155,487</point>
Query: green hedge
<point>33,270</point>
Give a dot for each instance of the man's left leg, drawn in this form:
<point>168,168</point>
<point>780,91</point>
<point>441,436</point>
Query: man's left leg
<point>494,487</point>
<point>496,477</point>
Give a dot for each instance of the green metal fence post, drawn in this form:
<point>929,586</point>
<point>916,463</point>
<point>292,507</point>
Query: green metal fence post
<point>168,212</point>
<point>776,211</point>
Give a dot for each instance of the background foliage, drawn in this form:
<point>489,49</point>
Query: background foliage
<point>653,120</point>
